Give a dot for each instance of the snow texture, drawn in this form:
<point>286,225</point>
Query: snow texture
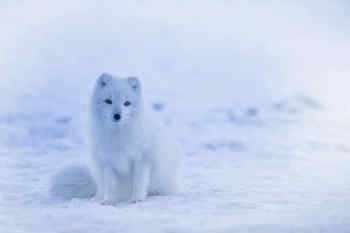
<point>255,92</point>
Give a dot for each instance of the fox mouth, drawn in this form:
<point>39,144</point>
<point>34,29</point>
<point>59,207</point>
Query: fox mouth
<point>117,121</point>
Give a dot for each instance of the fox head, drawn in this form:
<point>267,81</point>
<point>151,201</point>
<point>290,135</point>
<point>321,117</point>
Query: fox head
<point>116,102</point>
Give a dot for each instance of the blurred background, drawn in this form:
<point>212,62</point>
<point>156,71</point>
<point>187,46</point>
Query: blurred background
<point>214,52</point>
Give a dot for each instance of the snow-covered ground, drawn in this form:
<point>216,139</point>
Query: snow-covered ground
<point>254,92</point>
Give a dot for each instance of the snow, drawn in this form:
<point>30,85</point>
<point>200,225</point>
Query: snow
<point>254,92</point>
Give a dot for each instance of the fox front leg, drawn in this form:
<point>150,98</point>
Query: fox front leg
<point>140,181</point>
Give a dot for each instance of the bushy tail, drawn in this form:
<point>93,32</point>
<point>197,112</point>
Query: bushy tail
<point>73,182</point>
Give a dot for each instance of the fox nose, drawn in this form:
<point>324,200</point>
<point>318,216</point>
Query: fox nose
<point>117,117</point>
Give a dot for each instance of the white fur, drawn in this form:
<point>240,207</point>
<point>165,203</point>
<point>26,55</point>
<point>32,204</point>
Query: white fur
<point>73,182</point>
<point>131,156</point>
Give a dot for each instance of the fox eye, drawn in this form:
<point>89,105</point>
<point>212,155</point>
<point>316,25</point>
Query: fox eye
<point>108,101</point>
<point>126,103</point>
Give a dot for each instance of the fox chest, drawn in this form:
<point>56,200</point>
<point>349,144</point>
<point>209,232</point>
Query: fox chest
<point>121,159</point>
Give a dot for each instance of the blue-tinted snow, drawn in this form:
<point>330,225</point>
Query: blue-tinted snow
<point>254,92</point>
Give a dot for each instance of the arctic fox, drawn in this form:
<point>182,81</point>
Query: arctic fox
<point>131,157</point>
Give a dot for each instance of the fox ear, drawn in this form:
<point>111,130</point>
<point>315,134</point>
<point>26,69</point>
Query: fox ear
<point>104,79</point>
<point>134,82</point>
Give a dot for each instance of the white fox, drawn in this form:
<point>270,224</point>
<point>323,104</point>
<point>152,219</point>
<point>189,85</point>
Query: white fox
<point>131,156</point>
